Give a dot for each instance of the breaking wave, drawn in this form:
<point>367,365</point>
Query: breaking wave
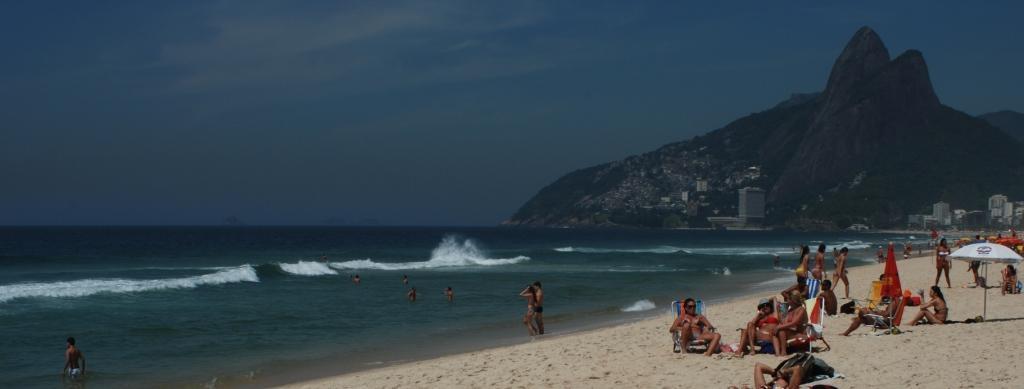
<point>451,252</point>
<point>639,306</point>
<point>598,250</point>
<point>307,268</point>
<point>87,287</point>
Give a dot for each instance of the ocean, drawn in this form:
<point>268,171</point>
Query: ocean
<point>254,306</point>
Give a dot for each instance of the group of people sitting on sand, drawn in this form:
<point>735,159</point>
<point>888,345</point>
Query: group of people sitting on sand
<point>781,326</point>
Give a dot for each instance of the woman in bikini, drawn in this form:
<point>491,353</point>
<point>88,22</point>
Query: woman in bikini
<point>938,303</point>
<point>840,273</point>
<point>819,263</point>
<point>801,274</point>
<point>793,326</point>
<point>1009,280</point>
<point>531,302</point>
<point>692,326</point>
<point>941,262</point>
<point>759,329</point>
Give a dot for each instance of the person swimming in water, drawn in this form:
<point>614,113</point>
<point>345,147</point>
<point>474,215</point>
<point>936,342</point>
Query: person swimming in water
<point>411,295</point>
<point>356,280</point>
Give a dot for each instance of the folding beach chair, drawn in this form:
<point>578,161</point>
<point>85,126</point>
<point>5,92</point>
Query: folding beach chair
<point>695,345</point>
<point>892,317</point>
<point>815,325</point>
<point>874,297</point>
<point>813,287</point>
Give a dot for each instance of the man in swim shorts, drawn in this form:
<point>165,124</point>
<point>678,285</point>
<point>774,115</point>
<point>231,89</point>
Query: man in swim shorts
<point>74,361</point>
<point>538,309</point>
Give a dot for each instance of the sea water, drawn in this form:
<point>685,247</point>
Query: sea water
<point>212,307</point>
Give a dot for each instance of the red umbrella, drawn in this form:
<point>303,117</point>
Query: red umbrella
<point>891,277</point>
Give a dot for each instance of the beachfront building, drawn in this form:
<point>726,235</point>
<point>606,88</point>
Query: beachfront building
<point>996,205</point>
<point>684,196</point>
<point>751,204</point>
<point>940,211</point>
<point>1008,213</point>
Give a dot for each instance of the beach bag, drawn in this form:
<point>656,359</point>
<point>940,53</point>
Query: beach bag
<point>814,369</point>
<point>819,370</point>
<point>847,308</point>
<point>801,359</point>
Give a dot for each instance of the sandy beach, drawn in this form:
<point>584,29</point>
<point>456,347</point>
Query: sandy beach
<point>639,354</point>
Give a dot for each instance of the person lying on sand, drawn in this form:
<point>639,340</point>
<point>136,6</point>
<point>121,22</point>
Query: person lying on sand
<point>788,377</point>
<point>938,303</point>
<point>691,326</point>
<point>759,329</point>
<point>793,326</point>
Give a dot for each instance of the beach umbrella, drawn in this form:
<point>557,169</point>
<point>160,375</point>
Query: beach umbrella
<point>986,253</point>
<point>891,277</point>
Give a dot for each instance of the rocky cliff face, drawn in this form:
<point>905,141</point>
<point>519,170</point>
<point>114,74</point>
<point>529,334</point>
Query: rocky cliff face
<point>874,145</point>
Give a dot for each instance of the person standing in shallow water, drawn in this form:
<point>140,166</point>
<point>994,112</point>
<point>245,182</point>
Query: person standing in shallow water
<point>538,315</point>
<point>449,294</point>
<point>530,294</point>
<point>411,295</point>
<point>74,361</point>
<point>405,279</point>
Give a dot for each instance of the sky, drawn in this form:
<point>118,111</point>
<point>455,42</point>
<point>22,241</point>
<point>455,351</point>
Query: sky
<point>413,113</point>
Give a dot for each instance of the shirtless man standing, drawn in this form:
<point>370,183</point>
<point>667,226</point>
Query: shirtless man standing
<point>538,315</point>
<point>72,356</point>
<point>840,273</point>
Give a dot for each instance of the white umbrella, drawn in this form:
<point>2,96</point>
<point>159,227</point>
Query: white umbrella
<point>986,253</point>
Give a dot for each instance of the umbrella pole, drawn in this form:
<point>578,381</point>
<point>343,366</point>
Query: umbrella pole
<point>984,309</point>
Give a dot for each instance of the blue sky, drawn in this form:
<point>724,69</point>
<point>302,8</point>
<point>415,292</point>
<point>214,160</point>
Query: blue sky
<point>413,112</point>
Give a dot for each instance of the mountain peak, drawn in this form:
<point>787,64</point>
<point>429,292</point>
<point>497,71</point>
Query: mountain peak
<point>863,56</point>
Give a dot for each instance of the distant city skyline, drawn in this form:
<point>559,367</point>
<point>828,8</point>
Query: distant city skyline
<point>411,113</point>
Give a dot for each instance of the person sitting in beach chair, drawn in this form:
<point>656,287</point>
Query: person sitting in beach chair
<point>815,327</point>
<point>793,325</point>
<point>692,329</point>
<point>1010,280</point>
<point>758,332</point>
<point>884,316</point>
<point>938,303</point>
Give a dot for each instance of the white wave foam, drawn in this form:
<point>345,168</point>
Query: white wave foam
<point>723,271</point>
<point>449,253</point>
<point>639,306</point>
<point>599,250</point>
<point>86,287</point>
<point>852,245</point>
<point>738,250</point>
<point>307,268</point>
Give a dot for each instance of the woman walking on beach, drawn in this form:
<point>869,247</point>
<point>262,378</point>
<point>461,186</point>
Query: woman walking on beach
<point>819,263</point>
<point>530,294</point>
<point>941,262</point>
<point>840,273</point>
<point>938,303</point>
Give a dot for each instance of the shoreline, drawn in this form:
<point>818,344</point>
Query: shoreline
<point>574,330</point>
<point>638,354</point>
